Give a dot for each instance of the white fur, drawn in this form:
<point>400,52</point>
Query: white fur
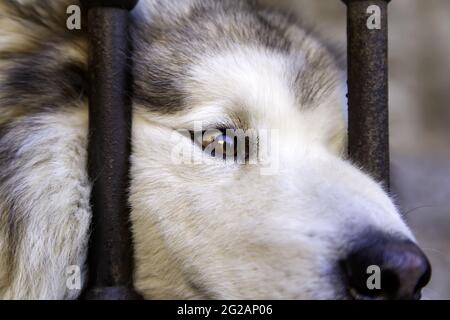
<point>53,204</point>
<point>230,230</point>
<point>209,230</point>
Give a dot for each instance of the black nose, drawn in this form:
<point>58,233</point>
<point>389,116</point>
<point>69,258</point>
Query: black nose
<point>387,268</point>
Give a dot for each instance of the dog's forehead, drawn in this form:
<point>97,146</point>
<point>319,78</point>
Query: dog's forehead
<point>264,66</point>
<point>263,89</point>
<point>255,87</point>
<point>251,82</point>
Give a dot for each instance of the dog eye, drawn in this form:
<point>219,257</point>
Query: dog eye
<point>220,144</point>
<point>227,144</point>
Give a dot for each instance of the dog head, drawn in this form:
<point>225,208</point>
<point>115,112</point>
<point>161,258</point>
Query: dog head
<point>294,218</point>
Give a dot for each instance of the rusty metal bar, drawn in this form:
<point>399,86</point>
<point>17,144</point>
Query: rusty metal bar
<point>110,257</point>
<point>368,127</point>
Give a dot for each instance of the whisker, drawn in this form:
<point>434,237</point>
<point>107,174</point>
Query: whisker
<point>417,208</point>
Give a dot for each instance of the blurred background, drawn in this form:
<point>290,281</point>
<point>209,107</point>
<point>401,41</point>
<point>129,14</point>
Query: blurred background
<point>419,90</point>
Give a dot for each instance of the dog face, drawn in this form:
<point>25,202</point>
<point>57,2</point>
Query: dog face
<point>286,216</point>
<point>214,228</point>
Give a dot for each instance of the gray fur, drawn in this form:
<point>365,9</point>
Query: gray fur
<point>45,77</point>
<point>165,49</point>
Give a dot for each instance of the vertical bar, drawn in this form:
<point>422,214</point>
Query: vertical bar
<point>368,128</point>
<point>110,257</point>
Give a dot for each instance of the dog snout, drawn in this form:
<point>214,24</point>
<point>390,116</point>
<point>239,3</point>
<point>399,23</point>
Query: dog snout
<point>400,265</point>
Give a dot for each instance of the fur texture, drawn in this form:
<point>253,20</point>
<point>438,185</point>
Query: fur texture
<point>209,230</point>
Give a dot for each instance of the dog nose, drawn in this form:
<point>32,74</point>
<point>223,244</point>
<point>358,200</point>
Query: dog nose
<point>387,269</point>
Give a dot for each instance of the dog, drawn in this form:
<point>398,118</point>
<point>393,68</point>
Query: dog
<point>305,223</point>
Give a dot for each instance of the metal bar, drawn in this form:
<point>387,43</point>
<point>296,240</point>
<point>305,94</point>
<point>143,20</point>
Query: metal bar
<point>110,257</point>
<point>368,128</point>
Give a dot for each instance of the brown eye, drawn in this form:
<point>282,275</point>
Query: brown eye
<point>219,144</point>
<point>227,144</point>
